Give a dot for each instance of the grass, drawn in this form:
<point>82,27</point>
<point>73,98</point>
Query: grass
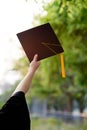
<point>56,124</point>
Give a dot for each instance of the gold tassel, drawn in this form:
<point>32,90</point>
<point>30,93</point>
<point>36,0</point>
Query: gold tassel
<point>62,65</point>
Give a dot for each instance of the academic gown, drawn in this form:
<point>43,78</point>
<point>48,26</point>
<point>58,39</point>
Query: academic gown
<point>14,115</point>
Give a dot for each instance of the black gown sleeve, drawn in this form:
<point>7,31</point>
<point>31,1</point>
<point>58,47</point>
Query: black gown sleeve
<point>15,113</point>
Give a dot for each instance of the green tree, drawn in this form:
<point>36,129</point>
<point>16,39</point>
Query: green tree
<point>69,20</point>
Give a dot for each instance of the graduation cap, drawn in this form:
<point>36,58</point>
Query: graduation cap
<point>43,41</point>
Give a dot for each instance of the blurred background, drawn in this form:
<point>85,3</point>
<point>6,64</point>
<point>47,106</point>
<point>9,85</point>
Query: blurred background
<point>55,103</point>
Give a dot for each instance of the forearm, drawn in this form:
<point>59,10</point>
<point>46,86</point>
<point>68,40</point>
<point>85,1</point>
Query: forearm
<point>25,84</point>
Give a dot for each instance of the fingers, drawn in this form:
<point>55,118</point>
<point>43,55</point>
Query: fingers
<point>35,57</point>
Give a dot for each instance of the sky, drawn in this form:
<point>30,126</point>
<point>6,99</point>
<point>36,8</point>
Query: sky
<point>15,16</point>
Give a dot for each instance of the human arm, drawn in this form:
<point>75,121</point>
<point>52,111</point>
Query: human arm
<point>24,85</point>
<point>15,111</point>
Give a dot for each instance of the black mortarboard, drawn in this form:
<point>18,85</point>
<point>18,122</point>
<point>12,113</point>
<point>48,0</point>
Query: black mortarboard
<point>41,40</point>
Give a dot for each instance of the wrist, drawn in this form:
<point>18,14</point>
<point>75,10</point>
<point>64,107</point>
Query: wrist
<point>31,71</point>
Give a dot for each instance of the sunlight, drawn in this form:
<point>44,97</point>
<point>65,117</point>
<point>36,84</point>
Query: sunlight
<point>15,16</point>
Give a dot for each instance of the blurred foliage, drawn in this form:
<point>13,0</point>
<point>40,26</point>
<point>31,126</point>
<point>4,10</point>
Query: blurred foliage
<point>56,124</point>
<point>69,21</point>
<point>23,66</point>
<point>7,94</point>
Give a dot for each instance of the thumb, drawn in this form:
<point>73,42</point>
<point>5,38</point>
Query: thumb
<point>35,57</point>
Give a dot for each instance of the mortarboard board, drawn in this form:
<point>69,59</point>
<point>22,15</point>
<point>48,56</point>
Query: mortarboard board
<point>43,41</point>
